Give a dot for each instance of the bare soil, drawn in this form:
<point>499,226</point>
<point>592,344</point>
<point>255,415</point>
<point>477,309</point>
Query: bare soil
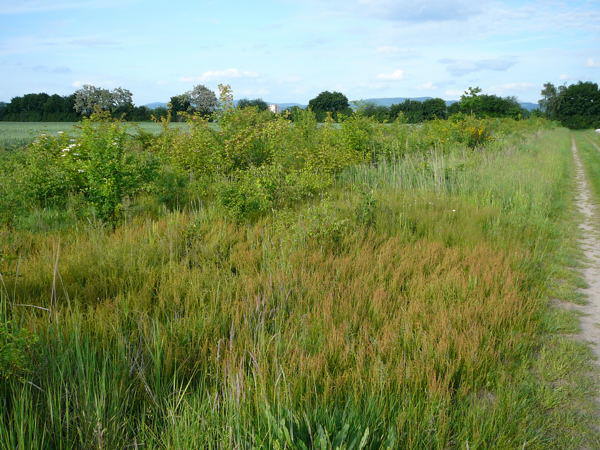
<point>590,244</point>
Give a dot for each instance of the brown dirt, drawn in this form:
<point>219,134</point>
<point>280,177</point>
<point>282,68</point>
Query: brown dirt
<point>590,244</point>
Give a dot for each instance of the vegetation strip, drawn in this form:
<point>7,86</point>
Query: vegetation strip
<point>263,285</point>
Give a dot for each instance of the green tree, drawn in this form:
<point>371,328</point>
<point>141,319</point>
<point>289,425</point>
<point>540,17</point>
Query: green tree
<point>202,100</point>
<point>434,108</point>
<point>484,105</point>
<point>378,112</point>
<point>293,113</point>
<point>470,101</point>
<point>329,102</point>
<point>179,104</point>
<point>89,98</point>
<point>578,105</point>
<point>411,109</point>
<point>548,102</point>
<point>257,103</point>
<point>40,107</point>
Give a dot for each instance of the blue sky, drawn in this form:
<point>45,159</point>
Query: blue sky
<point>289,51</point>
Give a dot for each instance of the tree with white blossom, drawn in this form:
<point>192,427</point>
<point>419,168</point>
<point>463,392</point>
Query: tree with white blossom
<point>89,98</point>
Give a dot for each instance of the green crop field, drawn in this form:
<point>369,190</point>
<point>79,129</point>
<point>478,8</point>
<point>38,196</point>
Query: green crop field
<point>16,134</point>
<point>263,285</point>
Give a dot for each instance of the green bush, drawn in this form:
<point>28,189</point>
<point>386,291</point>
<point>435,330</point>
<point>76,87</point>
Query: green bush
<point>100,164</point>
<point>48,175</point>
<point>171,187</point>
<point>252,194</point>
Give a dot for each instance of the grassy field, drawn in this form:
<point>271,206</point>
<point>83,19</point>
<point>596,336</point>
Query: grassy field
<point>16,134</point>
<point>404,305</point>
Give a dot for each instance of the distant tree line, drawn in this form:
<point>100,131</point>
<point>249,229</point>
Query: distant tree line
<point>471,102</point>
<point>43,107</point>
<point>258,103</point>
<point>576,106</point>
<point>40,108</point>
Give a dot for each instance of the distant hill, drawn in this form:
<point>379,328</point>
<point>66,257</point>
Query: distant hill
<point>529,106</point>
<point>389,101</point>
<point>283,106</point>
<point>155,105</point>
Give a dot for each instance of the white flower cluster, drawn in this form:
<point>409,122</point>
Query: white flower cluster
<point>67,149</point>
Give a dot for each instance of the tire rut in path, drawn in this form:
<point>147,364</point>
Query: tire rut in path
<point>590,245</point>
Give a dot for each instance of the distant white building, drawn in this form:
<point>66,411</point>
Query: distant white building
<point>274,108</point>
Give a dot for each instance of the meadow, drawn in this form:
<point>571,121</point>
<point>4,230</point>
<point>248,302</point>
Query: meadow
<point>262,285</point>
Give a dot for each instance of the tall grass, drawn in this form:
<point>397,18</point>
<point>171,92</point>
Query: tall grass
<point>588,143</point>
<point>406,309</point>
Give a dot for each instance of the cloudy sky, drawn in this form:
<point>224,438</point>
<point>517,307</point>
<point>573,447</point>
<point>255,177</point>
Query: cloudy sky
<point>290,50</point>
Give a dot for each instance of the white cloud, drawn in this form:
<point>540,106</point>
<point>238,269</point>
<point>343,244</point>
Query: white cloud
<point>423,11</point>
<point>34,6</point>
<point>29,44</point>
<point>101,83</point>
<point>428,86</point>
<point>396,52</point>
<point>454,93</point>
<point>254,92</point>
<point>513,86</point>
<point>47,69</point>
<point>459,67</point>
<point>397,74</point>
<point>591,62</point>
<point>291,79</point>
<point>220,75</point>
<point>564,76</point>
<point>387,49</point>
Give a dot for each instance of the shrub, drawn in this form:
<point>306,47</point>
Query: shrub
<point>100,164</point>
<point>259,190</point>
<point>110,172</point>
<point>252,194</point>
<point>171,187</point>
<point>197,152</point>
<point>250,137</point>
<point>47,177</point>
<point>357,133</point>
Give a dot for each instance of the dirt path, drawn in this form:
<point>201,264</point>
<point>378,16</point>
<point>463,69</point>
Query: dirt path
<point>590,244</point>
